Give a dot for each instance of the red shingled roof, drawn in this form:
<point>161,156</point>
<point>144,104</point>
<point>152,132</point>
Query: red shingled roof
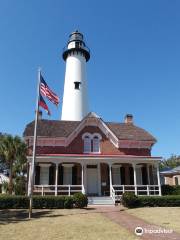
<point>56,128</point>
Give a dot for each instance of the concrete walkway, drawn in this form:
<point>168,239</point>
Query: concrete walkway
<point>130,222</point>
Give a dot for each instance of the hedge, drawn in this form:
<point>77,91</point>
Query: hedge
<point>39,202</point>
<point>8,201</point>
<point>131,201</point>
<point>159,201</point>
<point>170,190</point>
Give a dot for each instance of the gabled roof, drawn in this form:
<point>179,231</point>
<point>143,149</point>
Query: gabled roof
<point>170,170</point>
<point>57,128</point>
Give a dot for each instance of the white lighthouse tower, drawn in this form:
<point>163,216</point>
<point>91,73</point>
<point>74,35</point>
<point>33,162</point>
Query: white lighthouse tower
<point>75,99</point>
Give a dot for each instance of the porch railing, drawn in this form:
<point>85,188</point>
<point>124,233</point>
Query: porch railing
<point>57,189</point>
<point>113,194</point>
<point>137,189</point>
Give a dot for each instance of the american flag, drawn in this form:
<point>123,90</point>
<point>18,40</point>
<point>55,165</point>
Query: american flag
<point>43,104</point>
<point>47,92</point>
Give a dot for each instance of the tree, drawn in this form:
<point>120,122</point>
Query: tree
<point>13,152</point>
<point>2,162</point>
<point>172,162</point>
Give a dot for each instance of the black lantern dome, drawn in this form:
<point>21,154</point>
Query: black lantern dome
<point>76,44</point>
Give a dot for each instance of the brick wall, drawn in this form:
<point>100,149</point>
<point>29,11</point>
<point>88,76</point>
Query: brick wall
<point>170,180</point>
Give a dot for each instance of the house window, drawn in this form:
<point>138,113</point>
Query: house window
<point>91,142</point>
<point>77,85</point>
<point>87,144</point>
<point>96,144</point>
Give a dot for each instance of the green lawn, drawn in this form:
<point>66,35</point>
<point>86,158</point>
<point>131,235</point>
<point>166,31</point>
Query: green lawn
<point>60,224</point>
<point>168,217</point>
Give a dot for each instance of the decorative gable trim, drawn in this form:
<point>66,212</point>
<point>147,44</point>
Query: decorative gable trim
<point>93,120</point>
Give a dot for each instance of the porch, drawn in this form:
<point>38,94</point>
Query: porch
<point>97,176</point>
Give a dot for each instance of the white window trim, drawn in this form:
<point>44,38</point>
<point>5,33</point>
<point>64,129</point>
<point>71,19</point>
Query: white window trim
<point>94,121</point>
<point>99,138</point>
<point>86,135</point>
<point>91,137</point>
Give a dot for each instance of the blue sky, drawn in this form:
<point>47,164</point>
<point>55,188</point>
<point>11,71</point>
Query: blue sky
<point>134,66</point>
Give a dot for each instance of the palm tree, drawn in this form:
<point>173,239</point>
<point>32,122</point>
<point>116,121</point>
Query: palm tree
<point>13,152</point>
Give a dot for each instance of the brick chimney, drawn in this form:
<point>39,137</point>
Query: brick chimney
<point>128,119</point>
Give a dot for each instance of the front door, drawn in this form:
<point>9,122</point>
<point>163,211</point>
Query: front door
<point>92,180</point>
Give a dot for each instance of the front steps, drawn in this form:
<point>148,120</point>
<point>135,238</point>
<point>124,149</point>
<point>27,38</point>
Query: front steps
<point>100,201</point>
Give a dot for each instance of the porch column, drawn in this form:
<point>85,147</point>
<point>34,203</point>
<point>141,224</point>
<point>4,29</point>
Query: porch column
<point>82,178</point>
<point>85,177</point>
<point>158,178</point>
<point>56,180</point>
<point>29,180</point>
<point>135,178</point>
<point>110,178</point>
<point>99,179</point>
<point>148,175</point>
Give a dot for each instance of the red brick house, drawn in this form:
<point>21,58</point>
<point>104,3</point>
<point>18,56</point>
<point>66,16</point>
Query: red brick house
<point>94,157</point>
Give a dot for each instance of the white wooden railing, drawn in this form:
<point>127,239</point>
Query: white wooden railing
<point>137,189</point>
<point>113,194</point>
<point>116,191</point>
<point>58,189</point>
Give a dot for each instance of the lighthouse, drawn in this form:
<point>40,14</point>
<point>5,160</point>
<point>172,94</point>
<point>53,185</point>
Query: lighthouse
<point>75,98</point>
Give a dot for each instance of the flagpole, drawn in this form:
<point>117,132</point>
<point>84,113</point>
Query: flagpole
<point>34,146</point>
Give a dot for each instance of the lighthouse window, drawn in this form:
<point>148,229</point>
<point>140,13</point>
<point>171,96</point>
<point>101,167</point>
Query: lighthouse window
<point>77,44</point>
<point>77,85</point>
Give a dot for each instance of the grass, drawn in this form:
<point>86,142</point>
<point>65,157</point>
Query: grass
<point>63,224</point>
<point>167,217</point>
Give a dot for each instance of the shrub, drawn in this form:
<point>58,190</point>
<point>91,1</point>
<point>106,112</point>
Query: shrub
<point>68,202</point>
<point>167,190</point>
<point>170,190</point>
<point>80,200</point>
<point>177,190</point>
<point>159,201</point>
<point>130,200</point>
